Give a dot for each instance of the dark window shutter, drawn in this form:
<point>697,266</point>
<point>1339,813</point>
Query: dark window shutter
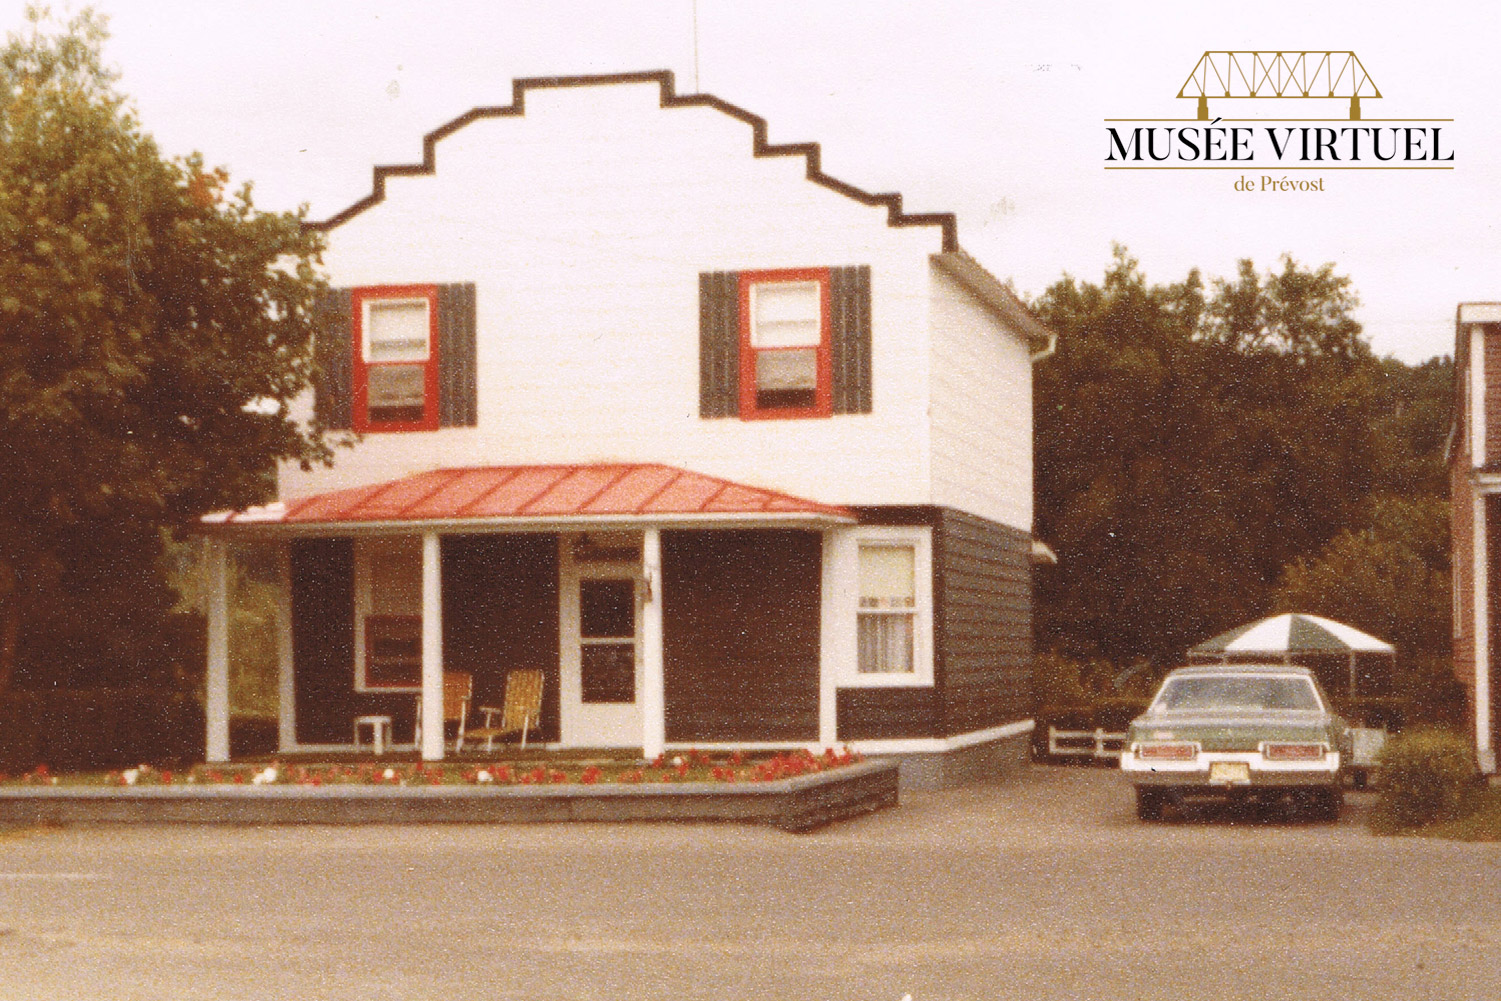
<point>849,335</point>
<point>333,390</point>
<point>719,344</point>
<point>457,356</point>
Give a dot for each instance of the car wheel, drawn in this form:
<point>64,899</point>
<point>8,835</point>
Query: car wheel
<point>1149,804</point>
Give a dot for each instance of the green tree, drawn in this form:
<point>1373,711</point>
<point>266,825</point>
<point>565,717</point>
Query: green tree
<point>1389,577</point>
<point>155,324</point>
<point>1191,444</point>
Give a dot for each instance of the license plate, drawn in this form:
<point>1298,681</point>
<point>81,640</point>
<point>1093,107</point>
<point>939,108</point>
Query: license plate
<point>1228,772</point>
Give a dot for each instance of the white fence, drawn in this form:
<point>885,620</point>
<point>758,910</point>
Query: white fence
<point>1096,743</point>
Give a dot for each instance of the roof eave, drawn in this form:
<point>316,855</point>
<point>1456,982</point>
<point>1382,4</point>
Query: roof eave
<point>541,523</point>
<point>997,296</point>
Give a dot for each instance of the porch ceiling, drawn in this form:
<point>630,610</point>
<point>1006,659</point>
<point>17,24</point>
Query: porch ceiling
<point>521,498</point>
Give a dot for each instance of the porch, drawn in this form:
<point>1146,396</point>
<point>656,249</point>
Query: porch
<point>662,609</point>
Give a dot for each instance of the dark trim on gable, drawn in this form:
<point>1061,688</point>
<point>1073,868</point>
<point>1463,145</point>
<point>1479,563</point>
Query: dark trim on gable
<point>895,217</point>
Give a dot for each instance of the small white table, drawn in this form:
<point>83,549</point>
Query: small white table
<point>380,733</point>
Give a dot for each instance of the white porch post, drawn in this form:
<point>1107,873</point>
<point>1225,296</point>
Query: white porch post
<point>432,648</point>
<point>1481,589</point>
<point>286,680</point>
<point>836,631</point>
<point>653,683</point>
<point>216,694</point>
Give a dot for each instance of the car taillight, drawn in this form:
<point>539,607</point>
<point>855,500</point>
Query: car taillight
<point>1174,750</point>
<point>1293,751</point>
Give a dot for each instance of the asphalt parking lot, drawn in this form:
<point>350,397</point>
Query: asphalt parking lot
<point>1045,886</point>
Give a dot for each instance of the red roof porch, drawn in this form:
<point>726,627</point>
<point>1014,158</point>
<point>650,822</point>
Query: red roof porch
<point>536,496</point>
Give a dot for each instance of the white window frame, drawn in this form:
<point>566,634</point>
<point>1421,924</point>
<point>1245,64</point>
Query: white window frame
<point>364,607</point>
<point>370,304</point>
<point>920,538</point>
<point>812,286</point>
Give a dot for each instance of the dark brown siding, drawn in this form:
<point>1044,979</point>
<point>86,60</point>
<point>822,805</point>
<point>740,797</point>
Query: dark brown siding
<point>741,629</point>
<point>323,648</point>
<point>982,634</point>
<point>849,339</point>
<point>982,622</point>
<point>333,393</point>
<point>719,344</point>
<point>888,713</point>
<point>500,613</point>
<point>457,393</point>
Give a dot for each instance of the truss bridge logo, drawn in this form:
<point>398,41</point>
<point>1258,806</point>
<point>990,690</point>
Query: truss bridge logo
<point>1282,111</point>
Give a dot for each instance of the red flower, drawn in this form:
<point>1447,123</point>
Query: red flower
<point>590,775</point>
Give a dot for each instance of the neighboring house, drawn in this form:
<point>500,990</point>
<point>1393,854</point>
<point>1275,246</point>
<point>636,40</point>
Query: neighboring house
<point>1474,485</point>
<point>737,454</point>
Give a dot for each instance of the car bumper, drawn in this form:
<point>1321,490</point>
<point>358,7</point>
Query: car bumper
<point>1225,771</point>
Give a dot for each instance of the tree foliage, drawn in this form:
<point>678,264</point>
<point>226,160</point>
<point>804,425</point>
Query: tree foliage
<point>1193,443</point>
<point>1389,577</point>
<point>154,323</point>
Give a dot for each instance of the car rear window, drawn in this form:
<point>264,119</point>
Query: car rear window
<point>1226,692</point>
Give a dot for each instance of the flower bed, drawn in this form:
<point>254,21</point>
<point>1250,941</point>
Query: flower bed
<point>796,792</point>
<point>690,766</point>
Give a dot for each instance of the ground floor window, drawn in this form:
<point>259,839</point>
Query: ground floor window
<point>893,578</point>
<point>388,614</point>
<point>888,607</point>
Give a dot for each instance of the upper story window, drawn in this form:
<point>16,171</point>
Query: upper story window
<point>396,369</point>
<point>397,358</point>
<point>789,343</point>
<point>784,350</point>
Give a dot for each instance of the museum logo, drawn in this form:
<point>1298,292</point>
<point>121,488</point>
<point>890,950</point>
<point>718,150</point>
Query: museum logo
<point>1278,111</point>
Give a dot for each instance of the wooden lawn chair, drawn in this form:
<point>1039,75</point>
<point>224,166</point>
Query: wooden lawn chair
<point>520,714</point>
<point>458,690</point>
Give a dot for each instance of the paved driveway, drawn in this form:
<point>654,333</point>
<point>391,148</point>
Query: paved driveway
<point>1045,887</point>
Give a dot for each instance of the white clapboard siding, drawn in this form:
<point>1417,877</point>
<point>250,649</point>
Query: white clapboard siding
<point>982,410</point>
<point>584,224</point>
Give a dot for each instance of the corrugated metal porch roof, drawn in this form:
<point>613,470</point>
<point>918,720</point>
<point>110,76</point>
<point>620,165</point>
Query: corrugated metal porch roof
<point>538,496</point>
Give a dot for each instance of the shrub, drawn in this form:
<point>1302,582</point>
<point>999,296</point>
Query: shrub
<point>1428,775</point>
<point>98,728</point>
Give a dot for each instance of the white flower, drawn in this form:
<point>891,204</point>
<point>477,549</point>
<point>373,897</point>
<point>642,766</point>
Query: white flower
<point>264,778</point>
<point>483,776</point>
<point>676,762</point>
<point>388,774</point>
<point>130,775</point>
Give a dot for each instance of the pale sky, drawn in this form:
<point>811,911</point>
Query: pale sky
<point>994,111</point>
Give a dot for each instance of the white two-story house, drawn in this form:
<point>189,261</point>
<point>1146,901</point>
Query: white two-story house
<point>736,454</point>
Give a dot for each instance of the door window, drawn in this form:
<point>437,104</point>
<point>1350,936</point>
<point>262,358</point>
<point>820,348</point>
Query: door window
<point>607,640</point>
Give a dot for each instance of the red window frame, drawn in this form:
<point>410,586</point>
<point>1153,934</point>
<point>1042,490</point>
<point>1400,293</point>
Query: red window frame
<point>823,395</point>
<point>360,412</point>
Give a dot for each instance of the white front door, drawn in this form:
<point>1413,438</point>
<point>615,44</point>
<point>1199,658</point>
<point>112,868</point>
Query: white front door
<point>600,640</point>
